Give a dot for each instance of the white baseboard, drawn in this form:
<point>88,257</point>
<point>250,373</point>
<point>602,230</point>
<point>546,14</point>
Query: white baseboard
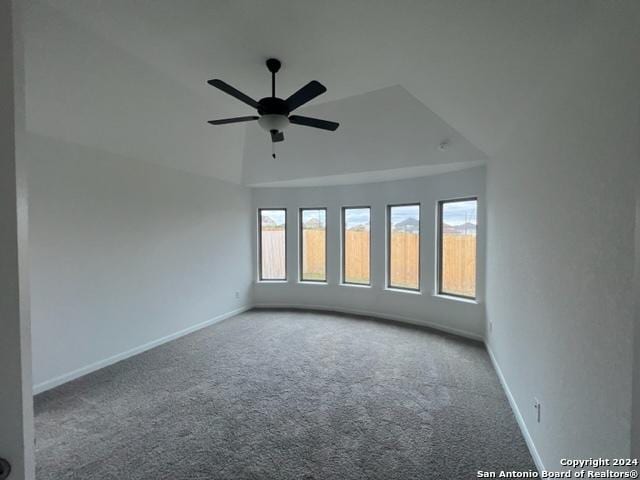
<point>516,412</point>
<point>67,377</point>
<point>384,316</point>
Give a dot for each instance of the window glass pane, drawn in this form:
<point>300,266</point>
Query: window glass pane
<point>404,246</point>
<point>314,240</point>
<point>357,240</point>
<point>458,229</point>
<point>273,226</point>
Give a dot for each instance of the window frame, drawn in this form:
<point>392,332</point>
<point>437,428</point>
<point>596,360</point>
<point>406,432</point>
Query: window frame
<point>344,240</point>
<point>286,260</point>
<point>388,252</point>
<point>301,279</point>
<point>440,244</point>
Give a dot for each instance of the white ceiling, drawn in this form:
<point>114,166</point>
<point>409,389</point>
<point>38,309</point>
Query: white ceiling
<point>130,77</point>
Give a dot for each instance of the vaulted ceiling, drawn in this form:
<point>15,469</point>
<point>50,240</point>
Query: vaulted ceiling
<point>402,76</point>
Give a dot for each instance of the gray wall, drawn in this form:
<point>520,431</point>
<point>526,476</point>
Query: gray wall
<point>560,245</point>
<point>126,253</point>
<point>16,411</point>
<point>425,308</point>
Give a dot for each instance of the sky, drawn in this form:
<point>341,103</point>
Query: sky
<point>457,213</point>
<point>320,215</point>
<point>357,216</point>
<point>398,214</point>
<point>277,216</point>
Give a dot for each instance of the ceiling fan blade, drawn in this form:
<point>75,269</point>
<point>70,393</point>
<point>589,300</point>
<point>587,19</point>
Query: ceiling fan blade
<point>314,122</point>
<point>228,89</point>
<point>224,121</point>
<point>307,93</point>
<point>277,136</point>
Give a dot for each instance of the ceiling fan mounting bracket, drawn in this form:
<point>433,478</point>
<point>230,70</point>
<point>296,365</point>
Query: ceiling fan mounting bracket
<point>273,64</point>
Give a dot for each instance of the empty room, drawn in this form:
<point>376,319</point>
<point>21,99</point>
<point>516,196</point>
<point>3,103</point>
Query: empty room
<point>358,239</point>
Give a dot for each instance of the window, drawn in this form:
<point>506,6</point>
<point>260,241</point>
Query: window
<point>457,247</point>
<point>313,245</point>
<point>356,245</point>
<point>273,243</point>
<point>403,254</point>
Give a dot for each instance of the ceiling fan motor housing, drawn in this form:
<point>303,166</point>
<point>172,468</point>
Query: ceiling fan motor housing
<point>273,106</point>
<point>273,113</point>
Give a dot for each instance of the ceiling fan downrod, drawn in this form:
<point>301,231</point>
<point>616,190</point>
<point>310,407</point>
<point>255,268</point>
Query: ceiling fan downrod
<point>273,64</point>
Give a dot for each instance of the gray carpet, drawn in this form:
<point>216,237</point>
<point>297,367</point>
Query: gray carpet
<point>285,395</point>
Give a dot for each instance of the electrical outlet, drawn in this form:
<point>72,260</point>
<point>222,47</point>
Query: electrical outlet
<point>237,294</point>
<point>538,407</point>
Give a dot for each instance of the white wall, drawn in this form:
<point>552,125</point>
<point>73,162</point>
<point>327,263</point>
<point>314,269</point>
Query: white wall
<point>560,207</point>
<point>125,253</point>
<point>16,410</point>
<point>456,316</point>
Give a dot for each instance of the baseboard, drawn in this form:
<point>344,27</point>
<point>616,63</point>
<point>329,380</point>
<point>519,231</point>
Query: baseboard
<point>384,316</point>
<point>516,412</point>
<point>67,377</point>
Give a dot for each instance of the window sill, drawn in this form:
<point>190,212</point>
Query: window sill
<point>444,296</point>
<point>356,285</point>
<point>402,290</point>
<point>270,282</point>
<point>307,282</point>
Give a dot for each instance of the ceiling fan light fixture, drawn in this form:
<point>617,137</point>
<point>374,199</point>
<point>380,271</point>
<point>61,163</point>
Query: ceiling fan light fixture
<point>271,122</point>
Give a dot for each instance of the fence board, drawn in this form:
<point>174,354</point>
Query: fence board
<point>314,254</point>
<point>459,264</point>
<point>356,267</point>
<point>273,254</point>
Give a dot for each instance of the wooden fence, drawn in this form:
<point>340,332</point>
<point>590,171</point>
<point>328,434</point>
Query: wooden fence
<point>404,262</point>
<point>459,259</point>
<point>459,264</point>
<point>314,258</point>
<point>356,267</point>
<point>273,254</point>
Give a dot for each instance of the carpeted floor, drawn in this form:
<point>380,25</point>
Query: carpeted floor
<point>285,395</point>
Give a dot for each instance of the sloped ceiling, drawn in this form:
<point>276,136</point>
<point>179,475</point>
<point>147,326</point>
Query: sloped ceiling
<point>386,131</point>
<point>130,77</point>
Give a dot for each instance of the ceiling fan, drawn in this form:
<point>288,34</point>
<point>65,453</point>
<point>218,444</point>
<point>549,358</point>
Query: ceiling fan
<point>273,112</point>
